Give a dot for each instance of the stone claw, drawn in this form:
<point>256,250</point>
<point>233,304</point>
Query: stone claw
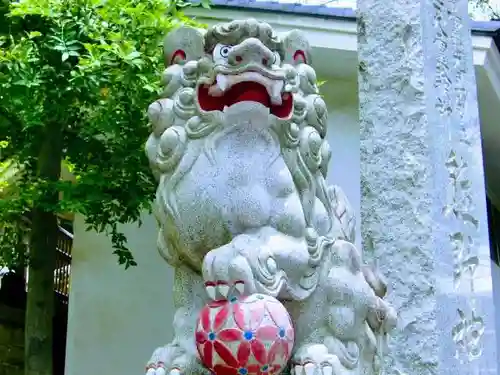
<point>382,318</point>
<point>239,287</point>
<point>172,360</point>
<point>227,274</point>
<point>156,369</point>
<point>210,288</point>
<point>223,290</point>
<point>314,359</point>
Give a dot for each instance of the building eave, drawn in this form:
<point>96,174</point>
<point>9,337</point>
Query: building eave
<point>487,63</point>
<point>329,30</point>
<point>332,39</point>
<point>488,28</point>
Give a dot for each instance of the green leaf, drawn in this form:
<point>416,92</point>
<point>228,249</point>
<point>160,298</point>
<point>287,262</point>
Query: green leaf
<point>34,34</point>
<point>133,55</point>
<point>148,87</point>
<point>65,56</point>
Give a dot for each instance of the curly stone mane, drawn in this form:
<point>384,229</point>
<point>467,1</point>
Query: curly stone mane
<point>235,32</point>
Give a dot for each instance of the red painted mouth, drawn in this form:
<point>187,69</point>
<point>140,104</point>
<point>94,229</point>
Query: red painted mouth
<point>245,91</point>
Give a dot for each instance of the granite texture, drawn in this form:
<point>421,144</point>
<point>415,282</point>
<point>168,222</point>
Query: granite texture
<point>423,196</point>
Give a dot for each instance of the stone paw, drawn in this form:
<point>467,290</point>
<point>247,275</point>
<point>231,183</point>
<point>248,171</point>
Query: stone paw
<point>159,369</point>
<point>314,359</point>
<point>172,360</point>
<point>222,290</point>
<point>382,318</point>
<point>227,274</point>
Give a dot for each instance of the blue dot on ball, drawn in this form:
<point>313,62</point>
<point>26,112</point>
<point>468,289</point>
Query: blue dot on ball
<point>243,371</point>
<point>248,335</point>
<point>211,336</point>
<point>282,332</point>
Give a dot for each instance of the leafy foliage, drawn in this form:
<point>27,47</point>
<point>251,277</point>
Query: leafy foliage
<point>91,66</point>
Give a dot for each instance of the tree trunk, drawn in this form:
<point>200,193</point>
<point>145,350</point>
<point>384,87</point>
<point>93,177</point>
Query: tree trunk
<point>42,257</point>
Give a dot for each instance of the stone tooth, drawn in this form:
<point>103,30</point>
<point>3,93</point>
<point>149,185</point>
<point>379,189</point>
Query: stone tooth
<point>309,369</point>
<point>222,82</point>
<point>275,92</point>
<point>299,370</point>
<point>151,371</point>
<point>210,291</point>
<point>327,370</point>
<point>220,86</point>
<point>175,371</point>
<point>160,371</point>
<point>215,90</point>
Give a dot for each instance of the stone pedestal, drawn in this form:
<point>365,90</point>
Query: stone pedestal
<point>423,195</point>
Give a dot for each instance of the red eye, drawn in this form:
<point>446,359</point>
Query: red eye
<point>177,57</point>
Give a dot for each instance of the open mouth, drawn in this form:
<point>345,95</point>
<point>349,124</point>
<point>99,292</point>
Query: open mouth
<point>226,93</point>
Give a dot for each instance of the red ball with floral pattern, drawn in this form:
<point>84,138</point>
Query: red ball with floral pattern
<point>245,335</point>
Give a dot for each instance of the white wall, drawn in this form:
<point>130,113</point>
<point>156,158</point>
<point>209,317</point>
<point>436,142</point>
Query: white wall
<point>343,136</point>
<point>117,317</point>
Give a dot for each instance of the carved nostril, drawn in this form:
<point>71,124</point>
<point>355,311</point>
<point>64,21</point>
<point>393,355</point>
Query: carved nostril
<point>238,58</point>
<point>265,61</point>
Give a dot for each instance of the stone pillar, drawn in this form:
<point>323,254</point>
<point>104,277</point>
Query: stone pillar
<point>423,196</point>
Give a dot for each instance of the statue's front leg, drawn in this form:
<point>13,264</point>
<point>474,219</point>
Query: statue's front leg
<point>264,261</point>
<point>180,356</point>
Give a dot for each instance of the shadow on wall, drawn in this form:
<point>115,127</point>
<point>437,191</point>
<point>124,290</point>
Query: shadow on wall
<point>494,230</point>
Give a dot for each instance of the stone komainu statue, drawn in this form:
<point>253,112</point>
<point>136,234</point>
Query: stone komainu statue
<point>239,151</point>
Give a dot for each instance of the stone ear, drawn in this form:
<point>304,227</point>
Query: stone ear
<point>296,48</point>
<point>182,45</point>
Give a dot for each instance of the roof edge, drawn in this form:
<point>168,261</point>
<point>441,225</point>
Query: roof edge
<point>319,11</point>
<point>486,28</point>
